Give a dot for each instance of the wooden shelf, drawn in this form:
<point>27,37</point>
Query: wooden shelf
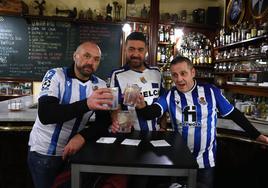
<point>137,19</point>
<point>227,76</point>
<point>165,43</point>
<point>236,72</point>
<point>56,18</point>
<point>251,40</point>
<point>68,19</point>
<point>204,78</point>
<point>205,66</point>
<point>247,90</point>
<point>190,25</point>
<point>244,58</point>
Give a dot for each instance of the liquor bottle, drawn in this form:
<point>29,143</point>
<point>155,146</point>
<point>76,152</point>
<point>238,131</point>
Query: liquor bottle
<point>201,57</point>
<point>158,57</point>
<point>222,37</point>
<point>209,57</point>
<point>166,34</point>
<point>253,31</point>
<point>163,55</point>
<point>172,35</point>
<point>167,76</point>
<point>161,33</point>
<point>243,31</point>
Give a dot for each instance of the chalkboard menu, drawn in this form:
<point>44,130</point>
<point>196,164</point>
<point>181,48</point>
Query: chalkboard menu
<point>28,48</point>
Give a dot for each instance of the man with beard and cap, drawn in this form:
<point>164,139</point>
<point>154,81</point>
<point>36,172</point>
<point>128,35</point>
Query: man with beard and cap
<point>68,98</point>
<point>135,71</point>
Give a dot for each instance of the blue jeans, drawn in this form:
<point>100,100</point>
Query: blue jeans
<point>44,169</point>
<point>205,178</point>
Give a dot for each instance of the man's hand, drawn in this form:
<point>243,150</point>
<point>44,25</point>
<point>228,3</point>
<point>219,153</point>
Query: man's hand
<point>115,123</point>
<point>100,99</point>
<point>140,102</point>
<point>73,146</point>
<point>262,138</point>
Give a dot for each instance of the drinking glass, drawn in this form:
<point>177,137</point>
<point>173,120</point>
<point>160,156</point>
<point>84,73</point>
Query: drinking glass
<point>131,95</point>
<point>125,121</point>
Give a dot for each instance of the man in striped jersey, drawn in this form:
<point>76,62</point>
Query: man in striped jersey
<point>193,110</point>
<point>135,71</point>
<point>68,98</point>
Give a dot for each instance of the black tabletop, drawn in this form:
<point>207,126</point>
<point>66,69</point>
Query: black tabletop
<point>144,155</point>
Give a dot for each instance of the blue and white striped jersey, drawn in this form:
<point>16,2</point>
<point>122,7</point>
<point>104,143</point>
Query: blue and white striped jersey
<point>194,115</point>
<point>51,139</point>
<point>150,83</point>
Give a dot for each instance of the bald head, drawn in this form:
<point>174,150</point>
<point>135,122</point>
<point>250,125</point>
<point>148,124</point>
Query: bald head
<point>87,58</point>
<point>87,44</point>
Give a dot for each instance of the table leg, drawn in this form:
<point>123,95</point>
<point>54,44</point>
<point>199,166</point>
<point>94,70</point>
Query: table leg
<point>75,171</point>
<point>192,178</point>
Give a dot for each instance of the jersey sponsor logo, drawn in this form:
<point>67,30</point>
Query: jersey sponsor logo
<point>194,124</point>
<point>189,117</point>
<point>202,100</point>
<point>151,93</point>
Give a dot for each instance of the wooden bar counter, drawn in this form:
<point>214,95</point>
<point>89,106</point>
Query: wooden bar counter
<point>239,158</point>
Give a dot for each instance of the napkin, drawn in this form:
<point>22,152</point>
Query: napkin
<point>106,140</point>
<point>131,142</point>
<point>159,143</point>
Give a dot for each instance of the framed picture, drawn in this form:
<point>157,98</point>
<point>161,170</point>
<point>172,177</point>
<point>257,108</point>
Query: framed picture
<point>258,8</point>
<point>235,12</point>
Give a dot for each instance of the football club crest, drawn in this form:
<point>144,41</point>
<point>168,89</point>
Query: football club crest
<point>202,100</point>
<point>94,88</point>
<point>143,80</point>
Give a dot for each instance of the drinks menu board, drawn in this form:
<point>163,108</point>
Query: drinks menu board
<point>31,47</point>
<point>13,47</point>
<point>50,44</point>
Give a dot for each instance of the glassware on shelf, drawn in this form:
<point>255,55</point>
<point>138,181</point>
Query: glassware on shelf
<point>234,67</point>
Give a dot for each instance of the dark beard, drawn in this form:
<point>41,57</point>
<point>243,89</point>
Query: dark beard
<point>135,64</point>
<point>85,73</point>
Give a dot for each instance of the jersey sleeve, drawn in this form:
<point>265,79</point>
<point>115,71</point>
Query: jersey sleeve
<point>162,102</point>
<point>223,105</point>
<point>50,84</point>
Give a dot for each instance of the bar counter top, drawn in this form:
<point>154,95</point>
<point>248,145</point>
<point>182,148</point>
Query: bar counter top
<point>29,111</point>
